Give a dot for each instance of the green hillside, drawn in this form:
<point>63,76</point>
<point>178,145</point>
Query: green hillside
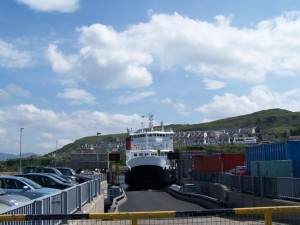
<point>272,119</point>
<point>278,121</point>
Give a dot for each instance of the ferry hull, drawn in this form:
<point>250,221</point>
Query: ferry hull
<point>148,177</point>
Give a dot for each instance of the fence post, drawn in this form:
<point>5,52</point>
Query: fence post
<point>262,188</point>
<point>90,197</point>
<point>240,183</point>
<point>39,209</point>
<point>253,185</point>
<point>65,200</point>
<point>79,194</point>
<point>99,187</point>
<point>268,217</point>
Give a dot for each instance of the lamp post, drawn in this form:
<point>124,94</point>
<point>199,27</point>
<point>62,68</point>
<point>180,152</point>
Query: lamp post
<point>55,158</point>
<point>97,148</point>
<point>21,129</point>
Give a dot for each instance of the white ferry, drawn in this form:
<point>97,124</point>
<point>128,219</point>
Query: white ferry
<point>147,163</point>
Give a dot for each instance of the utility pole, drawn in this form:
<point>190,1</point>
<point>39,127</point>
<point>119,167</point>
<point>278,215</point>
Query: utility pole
<point>21,129</point>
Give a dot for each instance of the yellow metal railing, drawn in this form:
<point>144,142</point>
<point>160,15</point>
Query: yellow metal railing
<point>265,215</point>
<point>267,211</point>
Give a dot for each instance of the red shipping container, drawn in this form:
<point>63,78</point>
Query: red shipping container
<point>218,163</point>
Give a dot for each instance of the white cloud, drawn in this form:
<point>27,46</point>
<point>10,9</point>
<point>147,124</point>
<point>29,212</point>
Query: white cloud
<point>2,132</point>
<point>43,127</point>
<point>106,59</point>
<point>213,84</point>
<point>4,95</point>
<point>60,63</point>
<point>16,90</point>
<point>47,135</point>
<point>13,90</point>
<point>77,96</point>
<point>112,59</point>
<point>166,101</point>
<point>260,98</point>
<point>63,6</point>
<point>226,106</point>
<point>292,93</point>
<point>134,97</point>
<point>181,108</point>
<point>11,57</point>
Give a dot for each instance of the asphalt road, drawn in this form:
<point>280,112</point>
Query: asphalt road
<point>142,201</point>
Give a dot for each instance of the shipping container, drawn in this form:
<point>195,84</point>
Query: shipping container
<point>277,151</point>
<point>218,163</point>
<point>276,168</point>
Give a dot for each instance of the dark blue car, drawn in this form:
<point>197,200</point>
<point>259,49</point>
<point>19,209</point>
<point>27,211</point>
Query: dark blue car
<point>48,180</point>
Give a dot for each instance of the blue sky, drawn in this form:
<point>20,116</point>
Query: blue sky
<point>74,68</point>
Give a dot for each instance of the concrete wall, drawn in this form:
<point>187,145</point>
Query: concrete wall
<point>89,157</point>
<point>84,165</point>
<point>235,199</point>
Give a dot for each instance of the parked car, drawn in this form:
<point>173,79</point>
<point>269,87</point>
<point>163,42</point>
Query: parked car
<point>25,187</point>
<point>38,169</point>
<point>62,179</point>
<point>114,191</point>
<point>70,172</point>
<point>7,200</point>
<point>47,180</point>
<point>241,171</point>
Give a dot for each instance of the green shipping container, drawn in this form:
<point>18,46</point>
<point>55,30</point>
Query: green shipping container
<point>272,168</point>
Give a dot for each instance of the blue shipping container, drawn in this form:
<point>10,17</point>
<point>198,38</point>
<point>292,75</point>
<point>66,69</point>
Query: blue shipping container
<point>283,150</point>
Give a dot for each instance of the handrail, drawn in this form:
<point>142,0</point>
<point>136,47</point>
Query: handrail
<point>267,212</point>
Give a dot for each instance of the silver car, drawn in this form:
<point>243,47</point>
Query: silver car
<point>8,200</point>
<point>25,187</point>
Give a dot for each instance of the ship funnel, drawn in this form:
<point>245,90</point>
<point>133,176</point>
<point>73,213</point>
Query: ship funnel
<point>128,143</point>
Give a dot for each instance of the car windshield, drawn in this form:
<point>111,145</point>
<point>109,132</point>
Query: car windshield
<point>56,177</point>
<point>57,172</point>
<point>2,192</point>
<point>67,171</point>
<point>72,171</point>
<point>30,183</point>
<point>53,178</point>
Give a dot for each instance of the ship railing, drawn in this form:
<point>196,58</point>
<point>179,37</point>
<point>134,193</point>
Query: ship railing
<point>153,130</point>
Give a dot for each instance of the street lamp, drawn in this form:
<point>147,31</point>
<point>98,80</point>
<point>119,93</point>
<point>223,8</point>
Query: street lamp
<point>21,129</point>
<point>97,147</point>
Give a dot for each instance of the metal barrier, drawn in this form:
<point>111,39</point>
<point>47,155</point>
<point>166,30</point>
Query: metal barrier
<point>273,187</point>
<point>64,202</point>
<point>203,200</point>
<point>260,215</point>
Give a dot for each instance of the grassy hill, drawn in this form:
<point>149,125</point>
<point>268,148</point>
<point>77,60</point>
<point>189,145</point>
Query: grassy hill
<point>278,121</point>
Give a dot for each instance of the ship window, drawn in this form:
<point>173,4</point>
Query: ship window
<point>135,155</point>
<point>141,154</point>
<point>146,154</point>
